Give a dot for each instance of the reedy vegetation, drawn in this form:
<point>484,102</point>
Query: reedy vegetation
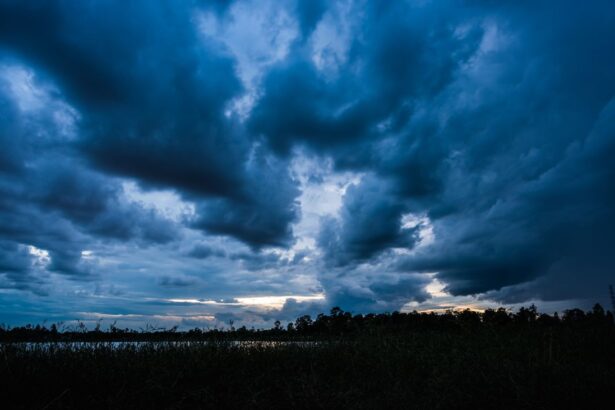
<point>494,359</point>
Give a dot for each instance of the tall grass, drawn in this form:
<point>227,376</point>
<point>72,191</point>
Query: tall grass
<point>472,367</point>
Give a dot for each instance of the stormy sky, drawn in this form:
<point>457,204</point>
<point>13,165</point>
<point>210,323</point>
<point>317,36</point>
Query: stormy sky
<point>196,162</point>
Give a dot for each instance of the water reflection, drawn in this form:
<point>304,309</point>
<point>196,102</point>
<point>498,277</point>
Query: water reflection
<point>238,344</point>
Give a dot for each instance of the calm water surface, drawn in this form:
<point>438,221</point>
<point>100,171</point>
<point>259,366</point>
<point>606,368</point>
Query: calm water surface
<point>244,344</point>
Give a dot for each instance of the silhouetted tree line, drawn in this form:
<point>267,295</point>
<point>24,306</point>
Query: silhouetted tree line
<point>338,324</point>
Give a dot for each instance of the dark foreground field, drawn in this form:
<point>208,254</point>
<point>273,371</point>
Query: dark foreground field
<point>466,364</point>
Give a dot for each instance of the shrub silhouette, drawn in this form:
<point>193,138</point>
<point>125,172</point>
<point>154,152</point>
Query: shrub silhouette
<point>338,324</point>
<point>465,359</point>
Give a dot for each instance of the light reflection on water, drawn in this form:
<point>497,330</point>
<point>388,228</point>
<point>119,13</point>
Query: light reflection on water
<point>241,344</point>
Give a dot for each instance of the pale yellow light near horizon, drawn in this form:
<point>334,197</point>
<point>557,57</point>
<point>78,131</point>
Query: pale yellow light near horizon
<point>276,301</point>
<point>268,302</point>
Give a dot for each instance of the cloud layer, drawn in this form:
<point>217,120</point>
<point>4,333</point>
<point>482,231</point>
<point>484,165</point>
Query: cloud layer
<point>358,150</point>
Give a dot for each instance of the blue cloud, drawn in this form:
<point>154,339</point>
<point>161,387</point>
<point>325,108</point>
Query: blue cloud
<point>490,122</point>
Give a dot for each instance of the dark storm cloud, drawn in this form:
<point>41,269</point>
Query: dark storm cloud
<point>398,293</point>
<point>153,92</point>
<point>48,200</point>
<point>174,282</point>
<point>15,267</point>
<point>23,224</point>
<point>481,113</point>
<point>259,261</point>
<point>375,292</point>
<point>63,209</point>
<point>264,217</point>
<point>370,222</point>
<point>309,12</point>
<point>96,204</point>
<point>152,95</point>
<point>309,111</point>
<point>491,122</point>
<point>24,219</point>
<point>557,230</point>
<point>14,260</point>
<point>402,53</point>
<point>11,156</point>
<point>202,251</point>
<point>527,195</point>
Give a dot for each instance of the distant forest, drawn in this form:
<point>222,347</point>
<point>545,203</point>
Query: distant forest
<point>337,324</point>
<point>457,360</point>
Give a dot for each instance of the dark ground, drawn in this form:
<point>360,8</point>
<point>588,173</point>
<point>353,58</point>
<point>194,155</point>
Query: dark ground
<point>466,364</point>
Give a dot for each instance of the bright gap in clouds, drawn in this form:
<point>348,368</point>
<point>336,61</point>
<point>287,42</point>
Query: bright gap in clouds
<point>426,232</point>
<point>36,97</point>
<point>268,302</point>
<point>25,90</point>
<point>441,301</point>
<point>257,34</point>
<point>322,193</point>
<point>165,202</point>
<point>41,256</point>
<point>276,302</point>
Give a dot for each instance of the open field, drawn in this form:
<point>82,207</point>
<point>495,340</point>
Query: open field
<point>464,365</point>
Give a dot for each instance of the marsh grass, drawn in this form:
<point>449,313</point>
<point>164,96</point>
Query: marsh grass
<point>474,367</point>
